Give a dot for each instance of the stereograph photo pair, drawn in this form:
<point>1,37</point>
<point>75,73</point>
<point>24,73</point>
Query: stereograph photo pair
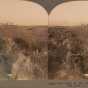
<point>41,44</point>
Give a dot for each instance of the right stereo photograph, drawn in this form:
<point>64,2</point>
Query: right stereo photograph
<point>68,41</point>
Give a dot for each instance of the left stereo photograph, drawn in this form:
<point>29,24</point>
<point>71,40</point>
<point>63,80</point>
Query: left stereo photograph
<point>23,40</point>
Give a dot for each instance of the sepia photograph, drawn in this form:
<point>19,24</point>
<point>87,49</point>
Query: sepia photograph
<point>68,41</point>
<point>23,40</point>
<point>40,41</point>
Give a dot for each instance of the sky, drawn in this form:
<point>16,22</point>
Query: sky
<point>69,14</point>
<point>22,13</point>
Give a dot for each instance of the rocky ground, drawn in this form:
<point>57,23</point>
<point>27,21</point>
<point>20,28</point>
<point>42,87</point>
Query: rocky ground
<point>68,53</point>
<point>23,56</point>
<point>57,53</point>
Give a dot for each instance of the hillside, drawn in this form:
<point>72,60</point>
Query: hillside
<point>68,52</point>
<point>23,54</point>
